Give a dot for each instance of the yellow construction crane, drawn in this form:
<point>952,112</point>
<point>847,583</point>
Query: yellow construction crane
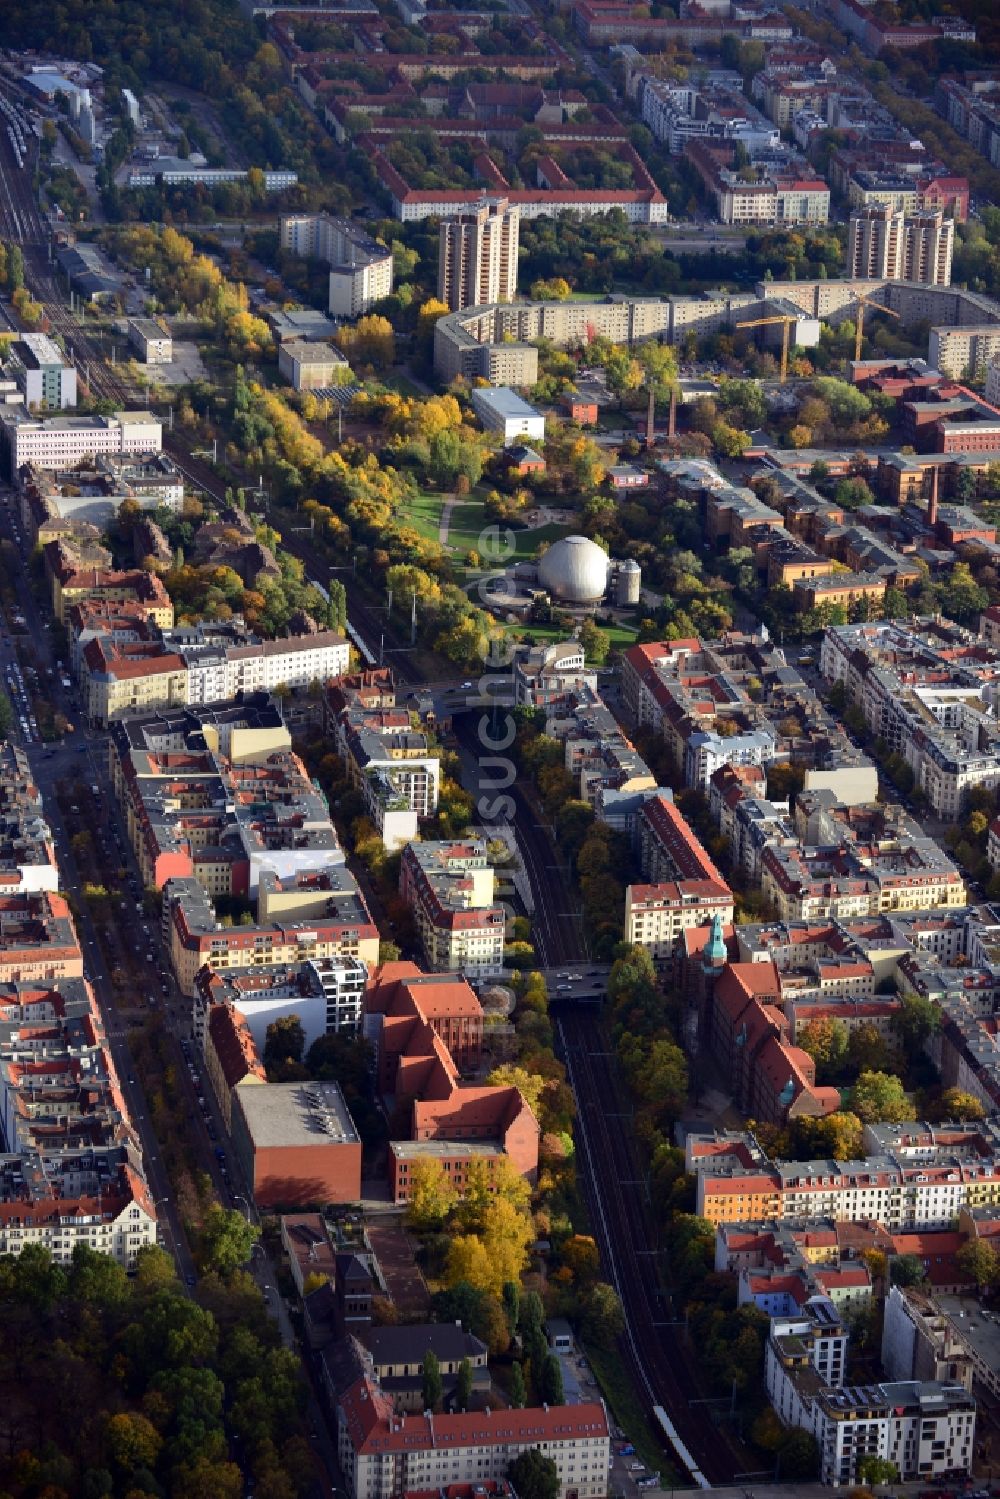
<point>864,302</point>
<point>786,319</point>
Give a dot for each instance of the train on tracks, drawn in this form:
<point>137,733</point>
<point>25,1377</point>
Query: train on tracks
<point>679,1449</point>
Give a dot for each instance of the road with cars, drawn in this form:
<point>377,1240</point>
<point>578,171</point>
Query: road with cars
<point>73,774</point>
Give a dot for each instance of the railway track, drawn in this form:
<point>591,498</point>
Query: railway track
<point>22,223</point>
<point>653,1344</point>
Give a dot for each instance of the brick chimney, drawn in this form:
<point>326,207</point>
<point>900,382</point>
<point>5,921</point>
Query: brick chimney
<point>932,503</point>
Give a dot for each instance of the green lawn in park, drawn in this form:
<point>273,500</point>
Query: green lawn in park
<point>467,525</point>
<point>424,514</point>
<point>621,636</point>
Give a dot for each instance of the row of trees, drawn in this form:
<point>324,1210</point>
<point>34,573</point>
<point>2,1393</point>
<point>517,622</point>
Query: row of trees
<point>600,858</point>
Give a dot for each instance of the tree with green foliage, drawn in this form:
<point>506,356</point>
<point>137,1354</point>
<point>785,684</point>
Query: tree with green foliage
<point>431,1387</point>
<point>226,1240</point>
<point>477,1311</point>
<point>518,1392</point>
<point>510,1298</point>
<point>284,1041</point>
<point>602,1318</point>
<point>337,607</point>
<point>877,1470</point>
<point>595,641</point>
<point>980,1263</point>
<point>798,1457</point>
<point>550,1380</point>
<point>463,1386</point>
<point>534,1476</point>
<point>880,1098</point>
<point>915,1022</point>
<point>906,1270</point>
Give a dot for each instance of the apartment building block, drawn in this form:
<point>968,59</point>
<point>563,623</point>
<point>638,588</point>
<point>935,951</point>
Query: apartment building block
<point>449,887</point>
<point>227,821</point>
<point>37,938</point>
<point>93,490</point>
<point>195,939</point>
<point>737,703</point>
<point>229,1056</point>
<point>60,441</point>
<point>360,267</point>
<point>72,1167</point>
<point>919,1342</point>
<point>925,693</point>
<point>201,663</point>
<point>906,1186</point>
<point>381,1452</point>
<point>327,995</point>
<point>74,584</point>
<point>887,244</point>
<point>392,763</point>
<point>477,255</point>
<point>27,852</point>
<point>925,1428</point>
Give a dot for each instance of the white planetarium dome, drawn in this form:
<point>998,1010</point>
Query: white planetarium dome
<point>575,570</point>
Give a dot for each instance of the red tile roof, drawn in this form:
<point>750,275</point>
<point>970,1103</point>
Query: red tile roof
<point>372,1427</point>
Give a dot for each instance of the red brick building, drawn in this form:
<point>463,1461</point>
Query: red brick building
<point>297,1144</point>
<point>772,1079</point>
<point>429,1022</point>
<point>578,409</point>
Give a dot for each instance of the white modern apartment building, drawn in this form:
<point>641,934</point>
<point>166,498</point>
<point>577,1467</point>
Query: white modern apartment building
<point>326,994</point>
<point>61,441</point>
<point>925,1428</point>
<point>392,765</point>
<point>44,376</point>
<point>360,267</point>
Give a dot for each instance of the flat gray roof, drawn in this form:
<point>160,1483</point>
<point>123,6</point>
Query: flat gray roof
<point>504,401</point>
<point>297,1114</point>
<point>979,1330</point>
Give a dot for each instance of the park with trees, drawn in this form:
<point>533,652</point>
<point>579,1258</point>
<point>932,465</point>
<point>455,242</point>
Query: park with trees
<point>163,1387</point>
